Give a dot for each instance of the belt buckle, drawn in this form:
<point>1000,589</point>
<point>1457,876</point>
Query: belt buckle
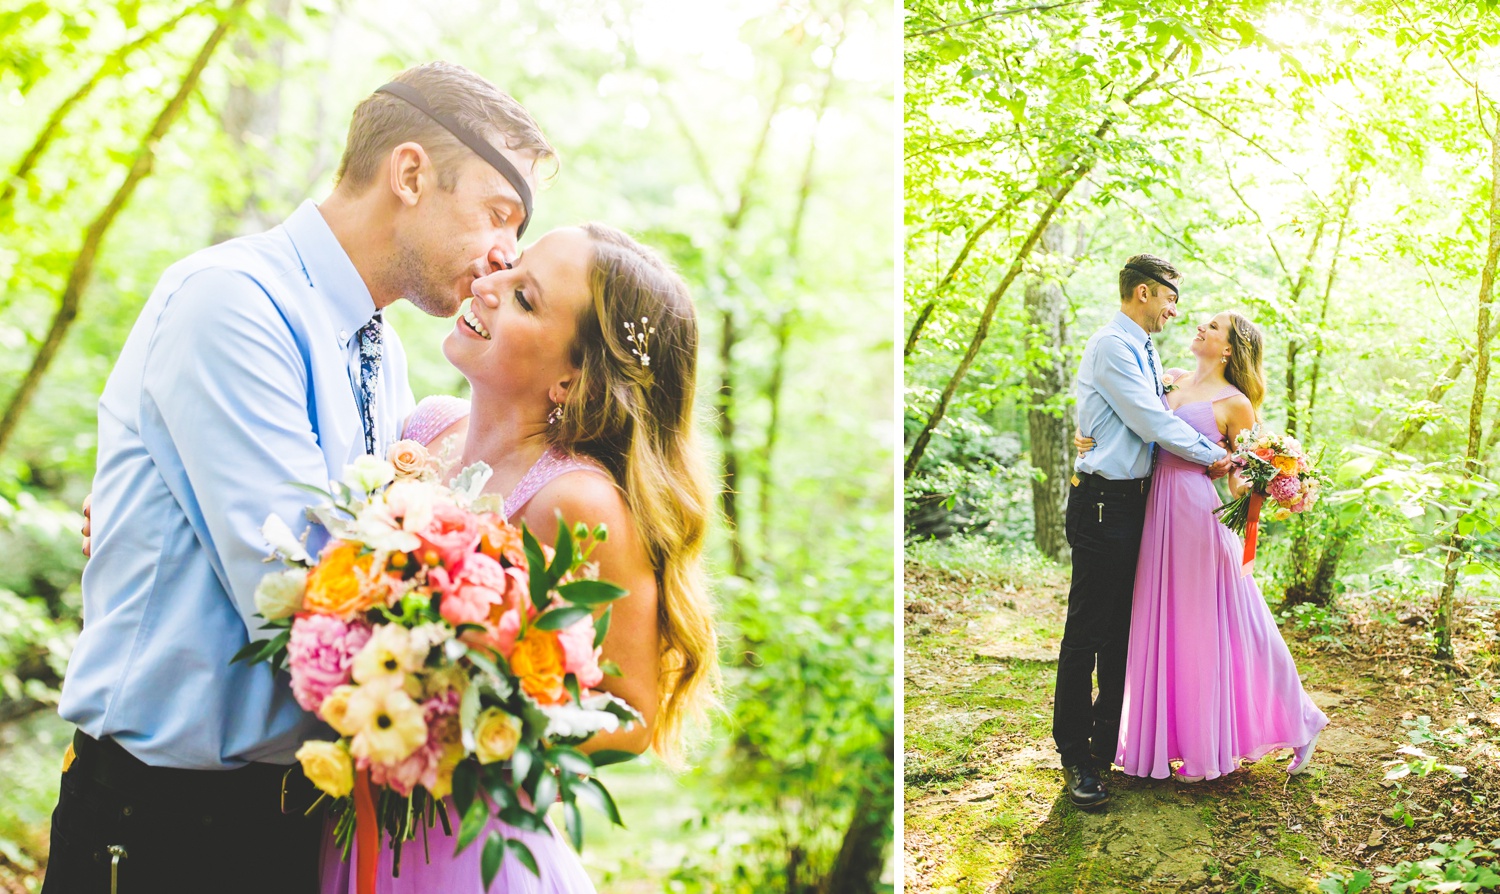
<point>1075,479</point>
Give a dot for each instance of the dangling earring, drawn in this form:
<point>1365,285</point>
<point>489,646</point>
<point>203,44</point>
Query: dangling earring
<point>555,416</point>
<point>1223,359</point>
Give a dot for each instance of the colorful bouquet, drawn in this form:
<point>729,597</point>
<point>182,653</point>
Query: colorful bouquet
<point>1274,468</point>
<point>451,652</point>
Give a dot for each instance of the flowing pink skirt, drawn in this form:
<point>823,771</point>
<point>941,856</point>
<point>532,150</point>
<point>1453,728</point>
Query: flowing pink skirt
<point>1209,680</point>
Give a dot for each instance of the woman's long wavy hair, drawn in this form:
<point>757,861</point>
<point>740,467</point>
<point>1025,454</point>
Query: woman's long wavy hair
<point>1245,369</point>
<point>631,408</point>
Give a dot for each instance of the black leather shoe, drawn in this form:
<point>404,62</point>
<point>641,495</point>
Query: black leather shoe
<point>1085,789</point>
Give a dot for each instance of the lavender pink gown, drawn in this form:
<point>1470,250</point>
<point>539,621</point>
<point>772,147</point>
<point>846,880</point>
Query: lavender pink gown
<point>561,870</point>
<point>1209,680</point>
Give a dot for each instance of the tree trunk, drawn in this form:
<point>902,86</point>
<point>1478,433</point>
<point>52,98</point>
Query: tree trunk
<point>54,122</point>
<point>856,870</point>
<point>1294,344</point>
<point>728,338</point>
<point>1333,264</point>
<point>1050,421</point>
<point>1443,624</point>
<point>1065,184</point>
<point>83,265</point>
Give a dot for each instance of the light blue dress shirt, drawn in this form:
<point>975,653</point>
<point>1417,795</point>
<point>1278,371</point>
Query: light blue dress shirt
<point>1119,408</point>
<point>239,377</point>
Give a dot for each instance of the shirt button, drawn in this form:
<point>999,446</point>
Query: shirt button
<point>343,335</point>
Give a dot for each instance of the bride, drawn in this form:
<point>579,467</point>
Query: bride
<point>581,360</point>
<point>1209,682</point>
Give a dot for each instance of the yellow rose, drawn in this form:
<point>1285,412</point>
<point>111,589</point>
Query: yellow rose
<point>442,785</point>
<point>410,458</point>
<point>327,766</point>
<point>495,735</point>
<point>335,709</point>
<point>538,661</point>
<point>335,586</point>
<point>388,725</point>
<point>1286,465</point>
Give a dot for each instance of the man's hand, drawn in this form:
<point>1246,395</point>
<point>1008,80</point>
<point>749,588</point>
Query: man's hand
<point>1221,468</point>
<point>85,530</point>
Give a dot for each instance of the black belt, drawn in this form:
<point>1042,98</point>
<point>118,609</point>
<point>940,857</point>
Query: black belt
<point>108,763</point>
<point>1104,485</point>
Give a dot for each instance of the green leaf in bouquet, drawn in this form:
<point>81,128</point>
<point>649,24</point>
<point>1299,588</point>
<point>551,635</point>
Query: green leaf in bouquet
<point>246,652</point>
<point>497,783</point>
<point>561,617</point>
<point>523,819</point>
<point>493,856</point>
<point>608,757</point>
<point>594,792</point>
<point>312,490</point>
<point>570,760</point>
<point>465,784</point>
<point>562,557</point>
<point>521,852</point>
<point>468,715</point>
<point>610,668</point>
<point>570,683</point>
<point>473,823</point>
<point>546,792</point>
<point>536,570</point>
<point>521,761</point>
<point>573,821</point>
<point>471,481</point>
<point>592,593</point>
<point>601,627</point>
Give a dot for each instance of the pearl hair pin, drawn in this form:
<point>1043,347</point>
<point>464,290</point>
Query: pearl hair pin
<point>637,339</point>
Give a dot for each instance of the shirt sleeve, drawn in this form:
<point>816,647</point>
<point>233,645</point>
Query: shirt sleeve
<point>225,414</point>
<point>1119,379</point>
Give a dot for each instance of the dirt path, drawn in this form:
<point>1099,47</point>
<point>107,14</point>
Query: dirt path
<point>984,805</point>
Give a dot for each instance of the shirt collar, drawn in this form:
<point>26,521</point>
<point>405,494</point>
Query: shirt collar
<point>329,270</point>
<point>1131,328</point>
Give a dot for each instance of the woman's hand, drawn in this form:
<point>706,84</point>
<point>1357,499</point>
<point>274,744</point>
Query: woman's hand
<point>86,530</point>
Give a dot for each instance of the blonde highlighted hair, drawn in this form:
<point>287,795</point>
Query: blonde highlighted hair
<point>1245,367</point>
<point>637,419</point>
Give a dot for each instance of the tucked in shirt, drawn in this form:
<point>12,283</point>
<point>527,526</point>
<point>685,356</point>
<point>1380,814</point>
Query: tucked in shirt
<point>239,377</point>
<point>1118,406</point>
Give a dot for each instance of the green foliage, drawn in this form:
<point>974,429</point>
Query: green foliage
<point>1453,867</point>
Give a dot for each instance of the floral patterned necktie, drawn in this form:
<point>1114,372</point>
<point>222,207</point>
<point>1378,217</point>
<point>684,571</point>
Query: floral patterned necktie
<point>369,375</point>
<point>1151,361</point>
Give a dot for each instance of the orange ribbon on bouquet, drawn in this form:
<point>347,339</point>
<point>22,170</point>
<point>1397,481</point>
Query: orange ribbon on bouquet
<point>366,834</point>
<point>1252,530</point>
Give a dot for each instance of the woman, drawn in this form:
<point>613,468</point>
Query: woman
<point>1209,681</point>
<point>581,361</point>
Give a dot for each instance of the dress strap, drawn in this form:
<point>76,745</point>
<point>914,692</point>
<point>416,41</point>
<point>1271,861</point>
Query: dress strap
<point>433,416</point>
<point>1226,391</point>
<point>552,464</point>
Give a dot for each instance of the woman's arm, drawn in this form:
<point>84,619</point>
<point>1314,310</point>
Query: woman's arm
<point>633,640</point>
<point>1234,415</point>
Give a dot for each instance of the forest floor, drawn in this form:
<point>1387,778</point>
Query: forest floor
<point>984,804</point>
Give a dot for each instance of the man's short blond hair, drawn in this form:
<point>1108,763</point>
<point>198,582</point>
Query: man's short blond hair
<point>382,122</point>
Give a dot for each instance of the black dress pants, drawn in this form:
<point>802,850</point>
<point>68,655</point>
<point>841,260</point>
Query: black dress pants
<point>1104,530</point>
<point>182,831</point>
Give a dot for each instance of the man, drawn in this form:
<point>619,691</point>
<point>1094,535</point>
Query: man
<point>1120,407</point>
<point>255,364</point>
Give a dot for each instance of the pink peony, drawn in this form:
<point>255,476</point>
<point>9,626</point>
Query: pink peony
<point>1284,489</point>
<point>469,593</point>
<point>580,658</point>
<point>320,653</point>
<point>453,534</point>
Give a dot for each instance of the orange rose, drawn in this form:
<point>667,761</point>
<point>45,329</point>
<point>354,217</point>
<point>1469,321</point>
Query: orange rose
<point>538,661</point>
<point>499,539</point>
<point>1286,465</point>
<point>339,584</point>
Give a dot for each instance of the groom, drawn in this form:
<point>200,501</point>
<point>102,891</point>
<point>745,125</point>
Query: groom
<point>1120,407</point>
<point>254,364</point>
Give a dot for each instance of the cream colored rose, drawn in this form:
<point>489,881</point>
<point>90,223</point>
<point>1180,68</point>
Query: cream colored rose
<point>495,735</point>
<point>410,459</point>
<point>327,766</point>
<point>334,709</point>
<point>368,474</point>
<point>279,595</point>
